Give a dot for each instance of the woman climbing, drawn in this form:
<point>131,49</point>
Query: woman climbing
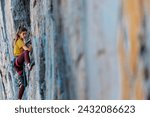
<point>21,54</point>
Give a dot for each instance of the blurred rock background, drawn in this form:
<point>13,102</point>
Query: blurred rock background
<point>83,49</point>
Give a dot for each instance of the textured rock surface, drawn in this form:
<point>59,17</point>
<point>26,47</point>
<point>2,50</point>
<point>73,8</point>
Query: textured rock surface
<point>83,49</point>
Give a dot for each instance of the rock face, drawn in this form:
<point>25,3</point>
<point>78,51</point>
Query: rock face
<point>83,49</point>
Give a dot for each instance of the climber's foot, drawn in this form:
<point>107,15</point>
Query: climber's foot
<point>30,65</point>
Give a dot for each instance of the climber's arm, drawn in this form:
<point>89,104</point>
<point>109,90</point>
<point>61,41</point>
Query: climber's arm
<point>27,48</point>
<point>21,44</point>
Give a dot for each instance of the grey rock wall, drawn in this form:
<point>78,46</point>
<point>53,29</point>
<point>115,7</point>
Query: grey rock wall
<point>83,49</point>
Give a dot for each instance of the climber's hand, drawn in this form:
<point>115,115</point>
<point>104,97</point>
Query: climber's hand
<point>27,48</point>
<point>28,42</point>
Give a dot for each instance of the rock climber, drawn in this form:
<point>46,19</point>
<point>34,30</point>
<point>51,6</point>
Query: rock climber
<point>21,54</point>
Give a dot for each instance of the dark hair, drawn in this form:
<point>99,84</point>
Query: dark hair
<point>20,30</point>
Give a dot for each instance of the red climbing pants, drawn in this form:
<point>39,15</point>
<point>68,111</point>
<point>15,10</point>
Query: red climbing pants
<point>19,62</point>
<point>24,57</point>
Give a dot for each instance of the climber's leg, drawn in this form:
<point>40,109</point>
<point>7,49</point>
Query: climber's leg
<point>19,69</point>
<point>21,91</point>
<point>22,85</point>
<point>23,57</point>
<point>26,56</point>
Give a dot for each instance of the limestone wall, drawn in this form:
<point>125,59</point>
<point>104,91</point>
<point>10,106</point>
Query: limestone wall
<point>83,49</point>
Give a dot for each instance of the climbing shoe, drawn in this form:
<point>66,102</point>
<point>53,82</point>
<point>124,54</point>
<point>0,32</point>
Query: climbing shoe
<point>30,65</point>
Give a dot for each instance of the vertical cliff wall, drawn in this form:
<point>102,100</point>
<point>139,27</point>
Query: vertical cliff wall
<point>83,49</point>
